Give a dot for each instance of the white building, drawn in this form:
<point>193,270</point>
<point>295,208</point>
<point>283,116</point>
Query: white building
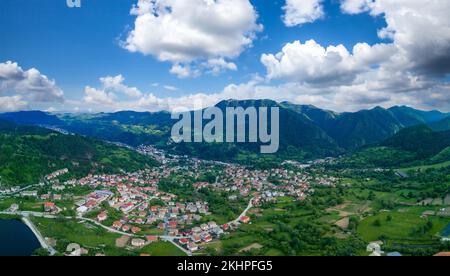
<point>82,209</point>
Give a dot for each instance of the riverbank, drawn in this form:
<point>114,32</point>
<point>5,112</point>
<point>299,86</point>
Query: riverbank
<point>25,219</point>
<point>41,239</point>
<point>9,217</point>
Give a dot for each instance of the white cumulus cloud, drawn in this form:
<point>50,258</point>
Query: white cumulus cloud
<point>313,63</point>
<point>30,84</point>
<point>115,84</point>
<point>298,12</point>
<point>355,6</point>
<point>419,29</point>
<point>185,32</point>
<point>408,67</point>
<point>13,103</point>
<point>98,96</point>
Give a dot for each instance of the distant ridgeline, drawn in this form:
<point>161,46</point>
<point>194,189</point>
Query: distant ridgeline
<point>306,132</point>
<point>27,153</point>
<point>416,145</point>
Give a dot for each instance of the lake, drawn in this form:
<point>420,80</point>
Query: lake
<point>16,239</point>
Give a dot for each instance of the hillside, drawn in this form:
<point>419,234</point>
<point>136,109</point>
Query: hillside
<point>421,140</point>
<point>353,130</point>
<point>28,153</point>
<point>300,139</point>
<point>32,118</point>
<point>441,125</point>
<point>411,146</point>
<point>306,131</point>
<point>442,156</point>
<point>410,117</point>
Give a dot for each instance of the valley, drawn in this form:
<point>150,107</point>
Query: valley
<point>384,197</point>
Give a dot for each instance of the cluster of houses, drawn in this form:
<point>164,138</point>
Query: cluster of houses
<point>133,194</point>
<point>137,197</point>
<point>9,190</point>
<point>92,201</point>
<point>264,185</point>
<point>169,219</point>
<point>196,237</point>
<point>127,241</point>
<point>56,174</point>
<point>204,233</point>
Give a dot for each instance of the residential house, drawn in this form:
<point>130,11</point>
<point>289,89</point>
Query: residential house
<point>102,217</point>
<point>138,242</point>
<point>152,238</point>
<point>244,219</point>
<point>49,207</point>
<point>192,247</point>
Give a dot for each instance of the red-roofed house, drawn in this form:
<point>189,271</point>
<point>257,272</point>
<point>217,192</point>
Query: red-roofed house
<point>184,241</point>
<point>49,207</point>
<point>207,238</point>
<point>225,227</point>
<point>117,225</point>
<point>135,230</point>
<point>102,217</point>
<point>245,219</point>
<point>173,224</point>
<point>152,238</point>
<point>192,247</point>
<point>442,254</point>
<point>196,238</point>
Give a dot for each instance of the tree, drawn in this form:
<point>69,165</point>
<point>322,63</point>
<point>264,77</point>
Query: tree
<point>41,252</point>
<point>429,225</point>
<point>377,223</point>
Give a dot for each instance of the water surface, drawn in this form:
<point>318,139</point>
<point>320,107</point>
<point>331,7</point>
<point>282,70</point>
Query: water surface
<point>16,239</point>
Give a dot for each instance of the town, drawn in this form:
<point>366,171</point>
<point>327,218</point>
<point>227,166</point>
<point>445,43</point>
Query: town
<point>133,205</point>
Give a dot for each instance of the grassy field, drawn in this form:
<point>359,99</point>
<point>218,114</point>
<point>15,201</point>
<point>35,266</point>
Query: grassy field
<point>401,227</point>
<point>424,167</point>
<point>69,231</point>
<point>96,239</point>
<point>152,231</point>
<point>162,248</point>
<point>263,234</point>
<point>5,203</point>
<point>31,204</point>
<point>6,217</point>
<point>274,252</point>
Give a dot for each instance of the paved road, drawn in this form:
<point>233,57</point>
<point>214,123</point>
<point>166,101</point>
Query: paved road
<point>26,214</point>
<point>34,214</point>
<point>171,239</point>
<point>38,235</point>
<point>109,229</point>
<point>249,206</point>
<point>187,252</point>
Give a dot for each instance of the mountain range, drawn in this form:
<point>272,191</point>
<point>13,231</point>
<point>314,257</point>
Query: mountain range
<point>306,131</point>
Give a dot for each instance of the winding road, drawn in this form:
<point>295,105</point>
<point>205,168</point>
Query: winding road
<point>26,219</point>
<point>250,205</point>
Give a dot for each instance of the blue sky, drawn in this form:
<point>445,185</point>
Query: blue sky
<point>77,46</point>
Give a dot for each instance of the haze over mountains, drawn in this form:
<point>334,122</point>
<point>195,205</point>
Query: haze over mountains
<point>305,131</point>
